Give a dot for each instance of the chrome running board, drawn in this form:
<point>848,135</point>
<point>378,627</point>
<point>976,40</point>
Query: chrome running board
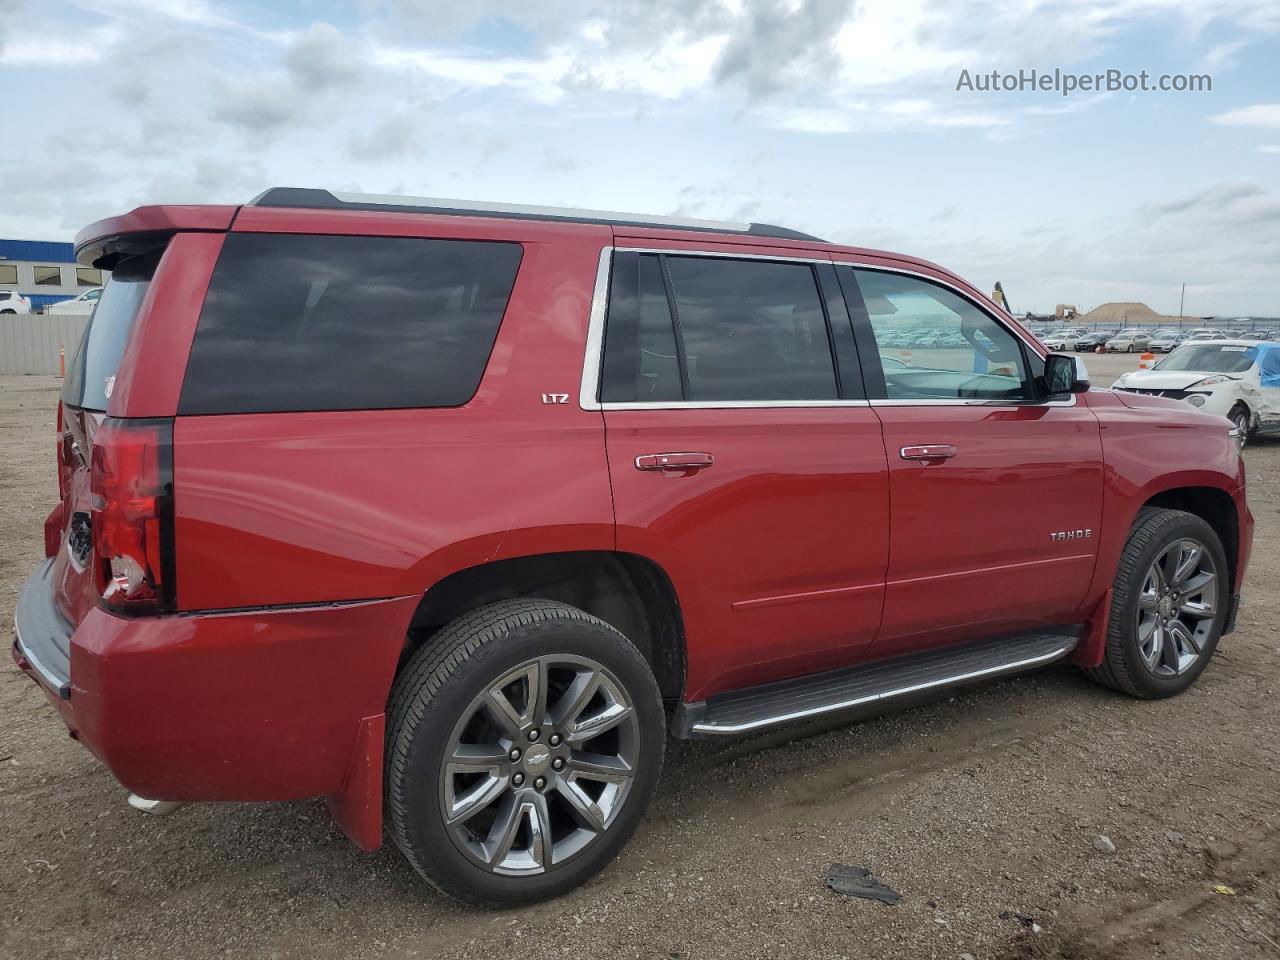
<point>867,685</point>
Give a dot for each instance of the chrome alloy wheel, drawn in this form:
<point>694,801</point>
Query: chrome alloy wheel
<point>539,765</point>
<point>1176,607</point>
<point>1240,420</point>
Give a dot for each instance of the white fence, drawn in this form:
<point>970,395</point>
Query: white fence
<point>29,343</point>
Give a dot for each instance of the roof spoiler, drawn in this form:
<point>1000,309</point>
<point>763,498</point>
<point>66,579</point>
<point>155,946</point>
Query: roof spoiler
<point>105,243</point>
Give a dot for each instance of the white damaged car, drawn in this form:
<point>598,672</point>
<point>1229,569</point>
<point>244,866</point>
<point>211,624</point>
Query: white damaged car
<point>1238,379</point>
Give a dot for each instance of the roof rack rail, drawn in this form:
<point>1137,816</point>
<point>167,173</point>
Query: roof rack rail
<point>317,199</point>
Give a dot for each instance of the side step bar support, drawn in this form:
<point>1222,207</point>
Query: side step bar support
<point>157,808</point>
<point>772,704</point>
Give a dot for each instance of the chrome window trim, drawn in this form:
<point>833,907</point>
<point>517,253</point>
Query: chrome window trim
<point>729,404</point>
<point>594,355</point>
<point>589,387</point>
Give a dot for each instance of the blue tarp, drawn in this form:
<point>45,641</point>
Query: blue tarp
<point>1269,364</point>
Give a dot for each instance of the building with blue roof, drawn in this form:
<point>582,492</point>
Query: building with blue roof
<point>45,271</point>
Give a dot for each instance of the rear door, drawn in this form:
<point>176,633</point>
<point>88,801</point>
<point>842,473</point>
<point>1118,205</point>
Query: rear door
<point>996,498</point>
<point>744,458</point>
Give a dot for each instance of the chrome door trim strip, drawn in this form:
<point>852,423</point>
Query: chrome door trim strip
<point>711,728</point>
<point>732,405</point>
<point>730,255</point>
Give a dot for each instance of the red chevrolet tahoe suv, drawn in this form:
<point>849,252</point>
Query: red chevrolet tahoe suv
<point>451,513</point>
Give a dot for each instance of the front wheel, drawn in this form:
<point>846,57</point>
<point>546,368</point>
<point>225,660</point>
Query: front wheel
<point>523,746</point>
<point>1168,606</point>
<point>1239,417</point>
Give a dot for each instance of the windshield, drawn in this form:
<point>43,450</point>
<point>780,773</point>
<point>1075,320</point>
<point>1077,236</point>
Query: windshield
<point>96,359</point>
<point>1209,358</point>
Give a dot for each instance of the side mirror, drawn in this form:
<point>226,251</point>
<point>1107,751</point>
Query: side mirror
<point>1064,374</point>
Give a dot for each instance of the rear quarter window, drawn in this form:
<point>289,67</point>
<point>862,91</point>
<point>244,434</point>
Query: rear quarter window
<point>297,323</point>
<point>92,371</point>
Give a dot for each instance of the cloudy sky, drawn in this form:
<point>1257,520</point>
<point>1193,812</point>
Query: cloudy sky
<point>838,117</point>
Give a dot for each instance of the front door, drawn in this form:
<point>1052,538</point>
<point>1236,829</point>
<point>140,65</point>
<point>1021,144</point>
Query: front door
<point>744,460</point>
<point>996,498</point>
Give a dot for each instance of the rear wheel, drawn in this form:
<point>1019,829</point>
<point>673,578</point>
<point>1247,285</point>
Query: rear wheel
<point>1169,603</point>
<point>524,744</point>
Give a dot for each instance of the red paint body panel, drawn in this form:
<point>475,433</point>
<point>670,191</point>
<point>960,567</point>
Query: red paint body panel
<point>1151,444</point>
<point>778,551</point>
<point>972,552</point>
<point>808,543</point>
<point>149,379</point>
<point>260,705</point>
<point>306,507</point>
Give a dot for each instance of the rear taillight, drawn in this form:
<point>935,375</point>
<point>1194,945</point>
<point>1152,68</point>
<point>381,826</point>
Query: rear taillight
<point>132,503</point>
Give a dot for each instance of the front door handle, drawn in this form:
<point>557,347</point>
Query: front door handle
<point>675,462</point>
<point>928,451</point>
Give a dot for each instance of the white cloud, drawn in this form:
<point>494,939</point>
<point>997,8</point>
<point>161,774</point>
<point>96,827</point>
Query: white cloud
<point>1259,115</point>
<point>1269,148</point>
<point>55,49</point>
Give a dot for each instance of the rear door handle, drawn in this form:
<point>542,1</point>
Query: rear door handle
<point>928,451</point>
<point>675,462</point>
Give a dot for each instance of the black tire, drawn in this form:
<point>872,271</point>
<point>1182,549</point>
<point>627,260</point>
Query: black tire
<point>1122,666</point>
<point>434,691</point>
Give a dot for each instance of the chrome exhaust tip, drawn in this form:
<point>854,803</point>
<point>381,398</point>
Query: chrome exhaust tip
<point>157,808</point>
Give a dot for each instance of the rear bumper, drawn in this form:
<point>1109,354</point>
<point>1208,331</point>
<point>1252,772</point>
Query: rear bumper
<point>253,705</point>
<point>41,637</point>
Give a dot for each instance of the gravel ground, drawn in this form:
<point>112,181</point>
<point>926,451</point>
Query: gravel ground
<point>984,810</point>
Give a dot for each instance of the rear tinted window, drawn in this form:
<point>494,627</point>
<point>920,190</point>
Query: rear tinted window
<point>742,331</point>
<point>296,323</point>
<point>91,374</point>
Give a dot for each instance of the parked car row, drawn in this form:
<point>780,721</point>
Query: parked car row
<point>906,339</point>
<point>13,302</point>
<point>1134,340</point>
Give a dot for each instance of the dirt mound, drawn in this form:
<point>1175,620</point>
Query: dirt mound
<point>1127,314</point>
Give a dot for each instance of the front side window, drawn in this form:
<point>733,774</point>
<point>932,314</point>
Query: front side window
<point>294,323</point>
<point>47,276</point>
<point>715,329</point>
<point>936,345</point>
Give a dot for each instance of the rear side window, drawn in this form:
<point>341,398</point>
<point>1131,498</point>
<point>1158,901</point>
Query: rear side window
<point>294,323</point>
<point>714,329</point>
<point>92,372</point>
